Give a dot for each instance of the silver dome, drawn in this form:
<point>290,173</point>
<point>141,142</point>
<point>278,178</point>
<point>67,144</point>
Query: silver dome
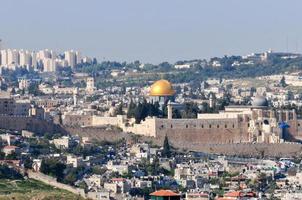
<point>260,101</point>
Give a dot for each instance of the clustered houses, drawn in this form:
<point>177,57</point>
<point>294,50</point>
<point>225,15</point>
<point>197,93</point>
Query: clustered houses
<point>69,106</point>
<point>126,170</point>
<point>268,112</point>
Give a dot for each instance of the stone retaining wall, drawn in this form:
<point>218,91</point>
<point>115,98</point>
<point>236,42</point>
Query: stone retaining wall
<point>53,182</point>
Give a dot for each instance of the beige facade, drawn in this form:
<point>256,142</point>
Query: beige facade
<point>63,142</point>
<point>74,161</point>
<point>236,124</point>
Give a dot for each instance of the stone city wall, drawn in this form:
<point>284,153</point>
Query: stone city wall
<point>203,131</point>
<point>20,123</point>
<point>77,120</point>
<point>53,182</point>
<point>181,142</point>
<point>91,120</point>
<point>101,121</point>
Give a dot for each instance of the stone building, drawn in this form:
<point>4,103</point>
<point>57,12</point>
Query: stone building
<point>257,123</point>
<point>236,124</point>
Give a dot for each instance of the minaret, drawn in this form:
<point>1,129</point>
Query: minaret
<point>294,114</point>
<point>90,85</point>
<point>211,101</point>
<point>286,115</point>
<point>75,95</point>
<point>170,110</point>
<point>8,139</point>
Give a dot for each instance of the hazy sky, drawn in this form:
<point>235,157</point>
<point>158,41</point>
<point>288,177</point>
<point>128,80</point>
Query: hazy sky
<point>152,30</point>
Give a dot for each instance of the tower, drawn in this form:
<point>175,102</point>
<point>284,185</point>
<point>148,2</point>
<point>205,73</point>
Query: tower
<point>75,96</point>
<point>90,85</point>
<point>211,101</point>
<point>8,139</point>
<point>170,110</point>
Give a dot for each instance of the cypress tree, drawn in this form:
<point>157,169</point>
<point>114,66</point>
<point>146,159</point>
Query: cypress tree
<point>166,148</point>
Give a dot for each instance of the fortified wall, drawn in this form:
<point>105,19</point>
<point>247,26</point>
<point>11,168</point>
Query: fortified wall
<point>203,131</point>
<point>91,120</point>
<point>20,123</point>
<point>234,125</point>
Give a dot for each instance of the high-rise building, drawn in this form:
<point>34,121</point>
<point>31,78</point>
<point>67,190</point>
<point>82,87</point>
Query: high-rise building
<point>25,58</point>
<point>34,60</point>
<point>49,65</point>
<point>12,57</point>
<point>71,58</point>
<point>43,54</point>
<point>46,58</point>
<point>78,57</point>
<point>86,60</point>
<point>3,57</point>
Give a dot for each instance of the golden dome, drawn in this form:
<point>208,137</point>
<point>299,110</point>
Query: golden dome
<point>161,88</point>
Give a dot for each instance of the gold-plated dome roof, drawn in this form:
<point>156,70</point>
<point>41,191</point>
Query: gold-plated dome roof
<point>161,88</point>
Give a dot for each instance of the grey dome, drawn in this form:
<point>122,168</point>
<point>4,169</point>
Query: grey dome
<point>259,101</point>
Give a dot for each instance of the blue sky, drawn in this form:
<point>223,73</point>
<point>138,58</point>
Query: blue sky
<point>154,30</point>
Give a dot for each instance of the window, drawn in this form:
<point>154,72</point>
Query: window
<point>226,126</point>
<point>233,125</point>
<point>187,126</point>
<point>171,126</point>
<point>217,126</point>
<point>210,126</point>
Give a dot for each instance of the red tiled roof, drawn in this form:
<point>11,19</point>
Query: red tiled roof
<point>15,162</point>
<point>239,194</point>
<point>10,147</point>
<point>232,194</point>
<point>164,193</point>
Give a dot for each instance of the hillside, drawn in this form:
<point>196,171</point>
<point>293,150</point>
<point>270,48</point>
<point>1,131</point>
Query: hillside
<point>32,190</point>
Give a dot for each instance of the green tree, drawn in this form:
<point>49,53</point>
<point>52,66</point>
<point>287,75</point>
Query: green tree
<point>119,110</point>
<point>282,82</point>
<point>53,167</point>
<point>166,148</point>
<point>131,109</point>
<point>9,173</point>
<point>34,89</point>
